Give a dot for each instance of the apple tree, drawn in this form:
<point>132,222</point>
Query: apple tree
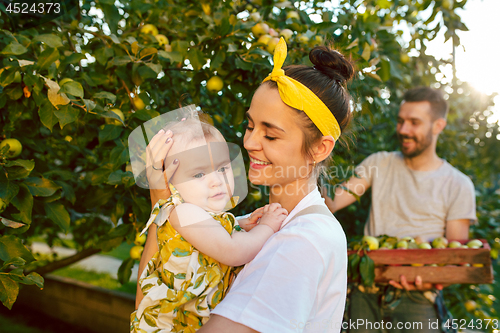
<point>73,88</point>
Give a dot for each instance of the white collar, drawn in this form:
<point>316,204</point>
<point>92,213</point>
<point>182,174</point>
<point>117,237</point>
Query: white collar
<point>313,198</point>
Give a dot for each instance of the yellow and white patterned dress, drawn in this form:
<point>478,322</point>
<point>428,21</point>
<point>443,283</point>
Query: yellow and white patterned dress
<point>180,284</point>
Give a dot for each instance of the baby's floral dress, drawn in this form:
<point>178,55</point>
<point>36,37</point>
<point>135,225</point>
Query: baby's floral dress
<point>180,284</point>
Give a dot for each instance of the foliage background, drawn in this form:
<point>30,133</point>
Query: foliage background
<point>73,175</point>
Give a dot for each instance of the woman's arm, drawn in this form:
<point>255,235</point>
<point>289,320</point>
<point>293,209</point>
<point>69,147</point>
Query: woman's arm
<point>150,248</point>
<point>158,180</point>
<point>203,232</point>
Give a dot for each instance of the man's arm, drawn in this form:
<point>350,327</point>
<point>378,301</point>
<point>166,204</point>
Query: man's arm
<point>219,324</point>
<point>344,193</point>
<point>457,229</point>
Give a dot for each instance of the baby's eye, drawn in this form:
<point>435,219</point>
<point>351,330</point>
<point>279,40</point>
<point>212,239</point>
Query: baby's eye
<point>199,175</point>
<point>224,168</point>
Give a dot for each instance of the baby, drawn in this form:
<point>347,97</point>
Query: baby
<point>197,240</point>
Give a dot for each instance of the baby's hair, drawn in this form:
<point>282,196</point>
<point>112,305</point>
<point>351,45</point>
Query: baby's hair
<point>187,126</point>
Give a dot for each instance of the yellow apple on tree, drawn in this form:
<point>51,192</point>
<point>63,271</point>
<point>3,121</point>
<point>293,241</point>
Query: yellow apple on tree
<point>15,147</point>
<point>255,16</point>
<point>273,32</point>
<point>286,33</point>
<point>149,29</point>
<point>136,252</point>
<point>140,239</point>
<point>256,195</point>
<point>264,39</point>
<point>303,39</point>
<point>260,29</point>
<point>293,15</point>
<point>271,45</point>
<point>215,84</point>
<point>139,103</point>
<point>404,58</point>
<point>162,39</point>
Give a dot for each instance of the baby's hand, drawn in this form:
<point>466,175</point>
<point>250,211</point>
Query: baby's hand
<point>250,222</point>
<point>273,215</point>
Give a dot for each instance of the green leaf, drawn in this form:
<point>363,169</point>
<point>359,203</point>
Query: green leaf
<point>10,223</point>
<point>110,132</point>
<point>120,177</point>
<point>146,72</point>
<point>67,191</point>
<point>109,244</point>
<point>14,48</point>
<point>19,169</point>
<point>12,247</point>
<point>367,270</point>
<point>58,214</point>
<point>172,56</point>
<point>155,67</point>
<point>66,115</point>
<point>218,59</point>
<point>73,88</point>
<point>112,16</point>
<point>147,52</point>
<point>31,278</point>
<point>24,202</point>
<point>8,189</point>
<point>353,271</point>
<point>47,58</point>
<point>196,58</point>
<point>42,187</point>
<point>118,212</point>
<point>125,270</point>
<point>103,54</point>
<point>107,95</point>
<point>17,261</point>
<point>47,116</point>
<point>49,39</point>
<point>8,291</point>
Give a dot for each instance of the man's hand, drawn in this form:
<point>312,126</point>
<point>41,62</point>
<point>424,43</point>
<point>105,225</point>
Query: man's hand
<point>418,285</point>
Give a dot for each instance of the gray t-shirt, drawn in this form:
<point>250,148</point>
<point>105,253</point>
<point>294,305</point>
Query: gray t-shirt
<point>413,203</point>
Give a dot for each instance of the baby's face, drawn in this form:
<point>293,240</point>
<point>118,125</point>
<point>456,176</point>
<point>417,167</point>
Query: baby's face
<point>204,176</point>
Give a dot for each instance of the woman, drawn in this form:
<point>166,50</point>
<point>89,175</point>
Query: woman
<point>298,280</point>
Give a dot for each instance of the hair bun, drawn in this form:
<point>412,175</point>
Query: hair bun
<point>331,63</point>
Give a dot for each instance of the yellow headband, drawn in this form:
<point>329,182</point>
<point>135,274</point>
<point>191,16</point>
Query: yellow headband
<point>295,94</point>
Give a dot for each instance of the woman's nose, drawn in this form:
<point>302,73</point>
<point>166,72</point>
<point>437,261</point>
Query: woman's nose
<point>251,142</point>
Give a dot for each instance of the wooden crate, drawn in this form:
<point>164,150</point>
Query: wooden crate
<point>391,264</point>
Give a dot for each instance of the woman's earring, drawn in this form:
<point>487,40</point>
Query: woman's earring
<point>314,164</point>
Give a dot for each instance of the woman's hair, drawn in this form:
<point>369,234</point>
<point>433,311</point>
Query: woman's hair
<point>327,79</point>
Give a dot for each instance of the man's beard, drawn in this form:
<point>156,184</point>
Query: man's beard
<point>420,145</point>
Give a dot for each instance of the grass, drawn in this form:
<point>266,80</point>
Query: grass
<point>103,280</point>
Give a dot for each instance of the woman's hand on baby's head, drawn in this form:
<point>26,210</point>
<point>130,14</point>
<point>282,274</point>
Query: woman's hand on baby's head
<point>157,173</point>
<point>273,216</point>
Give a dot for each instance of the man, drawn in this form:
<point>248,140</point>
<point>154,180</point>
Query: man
<point>414,193</point>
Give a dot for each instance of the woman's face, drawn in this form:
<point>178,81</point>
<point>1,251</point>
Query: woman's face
<point>274,141</point>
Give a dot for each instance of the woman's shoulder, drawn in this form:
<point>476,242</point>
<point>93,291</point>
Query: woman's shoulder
<point>318,229</point>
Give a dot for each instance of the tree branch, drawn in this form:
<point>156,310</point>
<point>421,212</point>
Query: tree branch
<point>55,265</point>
